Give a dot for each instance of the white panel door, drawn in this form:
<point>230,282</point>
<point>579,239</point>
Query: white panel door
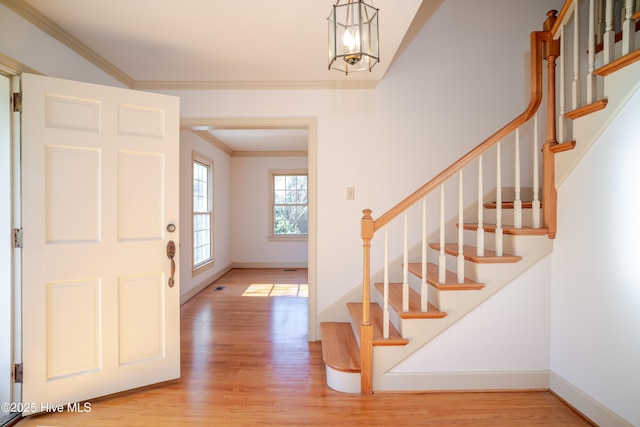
<point>100,187</point>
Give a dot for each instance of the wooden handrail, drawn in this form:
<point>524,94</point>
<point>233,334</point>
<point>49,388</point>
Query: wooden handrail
<point>563,17</point>
<point>536,39</point>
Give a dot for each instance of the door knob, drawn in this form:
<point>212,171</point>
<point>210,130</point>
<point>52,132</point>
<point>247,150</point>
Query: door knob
<point>171,252</point>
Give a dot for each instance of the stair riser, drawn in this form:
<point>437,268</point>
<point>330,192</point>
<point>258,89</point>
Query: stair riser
<point>345,382</point>
<point>449,301</point>
<point>394,317</point>
<point>444,300</point>
<point>520,245</point>
<point>356,333</point>
<point>472,270</point>
<point>412,328</point>
<point>511,244</point>
<point>508,217</point>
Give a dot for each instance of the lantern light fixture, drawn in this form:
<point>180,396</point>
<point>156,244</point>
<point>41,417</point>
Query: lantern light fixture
<point>353,36</point>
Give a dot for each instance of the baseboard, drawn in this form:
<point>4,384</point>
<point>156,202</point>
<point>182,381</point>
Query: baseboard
<point>202,286</point>
<point>586,405</point>
<point>283,264</point>
<point>461,381</point>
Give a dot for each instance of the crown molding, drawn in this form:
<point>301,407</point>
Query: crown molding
<point>199,125</point>
<point>234,123</point>
<point>270,154</point>
<point>32,15</point>
<point>207,136</point>
<point>10,66</point>
<point>225,148</point>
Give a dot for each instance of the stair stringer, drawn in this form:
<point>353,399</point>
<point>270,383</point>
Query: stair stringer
<point>421,331</point>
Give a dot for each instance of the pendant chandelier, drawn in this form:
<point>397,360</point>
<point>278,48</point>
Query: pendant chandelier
<point>353,36</point>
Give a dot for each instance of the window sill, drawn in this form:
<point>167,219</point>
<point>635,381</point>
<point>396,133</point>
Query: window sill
<point>290,238</point>
<point>202,268</point>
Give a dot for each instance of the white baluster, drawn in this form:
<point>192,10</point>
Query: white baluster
<point>628,28</point>
<point>599,21</point>
<point>385,308</point>
<point>424,289</point>
<point>609,38</point>
<point>405,283</point>
<point>498,205</point>
<point>480,230</point>
<point>591,78</point>
<point>575,89</point>
<point>517,202</point>
<point>442,259</point>
<point>535,208</point>
<point>562,91</point>
<point>460,269</point>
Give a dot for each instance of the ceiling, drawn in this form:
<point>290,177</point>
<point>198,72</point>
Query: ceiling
<point>219,44</point>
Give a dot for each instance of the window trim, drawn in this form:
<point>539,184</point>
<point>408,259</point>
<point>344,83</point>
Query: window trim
<point>278,237</point>
<point>196,269</point>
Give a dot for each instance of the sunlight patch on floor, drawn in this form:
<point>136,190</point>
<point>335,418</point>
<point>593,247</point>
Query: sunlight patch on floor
<point>276,290</point>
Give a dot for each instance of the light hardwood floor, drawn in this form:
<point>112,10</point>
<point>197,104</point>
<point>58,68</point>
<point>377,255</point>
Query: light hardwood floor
<point>246,362</point>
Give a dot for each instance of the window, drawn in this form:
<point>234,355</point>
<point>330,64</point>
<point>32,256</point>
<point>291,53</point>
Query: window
<point>288,205</point>
<point>202,212</point>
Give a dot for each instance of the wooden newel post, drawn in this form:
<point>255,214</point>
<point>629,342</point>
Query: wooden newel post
<point>366,329</point>
<point>549,193</point>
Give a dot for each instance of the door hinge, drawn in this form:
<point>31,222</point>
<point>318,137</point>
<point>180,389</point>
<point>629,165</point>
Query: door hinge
<point>17,373</point>
<point>18,235</point>
<point>17,102</point>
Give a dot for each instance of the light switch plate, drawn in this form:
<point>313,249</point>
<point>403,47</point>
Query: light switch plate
<point>351,193</point>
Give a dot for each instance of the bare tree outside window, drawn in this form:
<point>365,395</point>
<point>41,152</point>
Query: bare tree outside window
<point>290,210</point>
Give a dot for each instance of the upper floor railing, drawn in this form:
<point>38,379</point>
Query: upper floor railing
<point>597,37</point>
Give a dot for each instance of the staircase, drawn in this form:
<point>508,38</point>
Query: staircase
<point>439,279</point>
<point>447,302</point>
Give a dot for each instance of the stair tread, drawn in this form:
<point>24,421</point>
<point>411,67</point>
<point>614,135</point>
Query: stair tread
<point>451,278</point>
<point>355,309</point>
<point>395,300</point>
<point>509,205</point>
<point>340,349</point>
<point>469,253</point>
<point>510,229</point>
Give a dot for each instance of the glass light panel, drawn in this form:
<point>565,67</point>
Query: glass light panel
<point>353,36</point>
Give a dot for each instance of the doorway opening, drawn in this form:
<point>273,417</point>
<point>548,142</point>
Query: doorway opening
<point>204,126</point>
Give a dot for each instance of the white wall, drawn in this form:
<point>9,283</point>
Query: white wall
<point>190,283</point>
<point>250,219</point>
<point>595,311</point>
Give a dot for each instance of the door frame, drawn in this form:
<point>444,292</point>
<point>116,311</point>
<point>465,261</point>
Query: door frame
<point>13,257</point>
